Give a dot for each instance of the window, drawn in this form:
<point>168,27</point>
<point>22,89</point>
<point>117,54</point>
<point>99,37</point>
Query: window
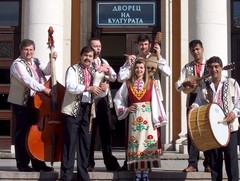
<point>9,13</point>
<point>236,14</point>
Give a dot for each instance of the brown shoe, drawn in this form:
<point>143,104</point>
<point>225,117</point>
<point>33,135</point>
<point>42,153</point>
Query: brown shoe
<point>190,169</point>
<point>207,169</point>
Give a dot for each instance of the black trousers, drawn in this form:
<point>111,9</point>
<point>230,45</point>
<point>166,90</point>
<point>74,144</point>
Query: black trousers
<point>104,124</point>
<point>193,152</point>
<point>24,118</point>
<point>76,136</point>
<point>230,156</point>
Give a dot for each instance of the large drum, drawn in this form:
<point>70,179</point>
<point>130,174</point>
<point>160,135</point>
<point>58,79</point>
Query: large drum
<point>206,127</point>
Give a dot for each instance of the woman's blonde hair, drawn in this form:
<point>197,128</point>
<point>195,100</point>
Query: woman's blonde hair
<point>133,76</point>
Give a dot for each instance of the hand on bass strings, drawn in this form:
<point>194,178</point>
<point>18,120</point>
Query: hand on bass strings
<point>53,55</point>
<point>47,91</point>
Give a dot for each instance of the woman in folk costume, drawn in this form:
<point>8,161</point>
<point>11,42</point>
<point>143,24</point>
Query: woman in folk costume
<point>138,98</point>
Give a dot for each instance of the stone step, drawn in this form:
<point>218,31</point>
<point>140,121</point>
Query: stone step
<point>172,164</point>
<point>106,176</point>
<point>171,170</point>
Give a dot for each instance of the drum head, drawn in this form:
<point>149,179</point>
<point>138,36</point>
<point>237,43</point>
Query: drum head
<point>220,130</point>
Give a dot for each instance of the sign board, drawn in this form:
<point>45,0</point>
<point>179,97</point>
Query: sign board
<point>126,13</point>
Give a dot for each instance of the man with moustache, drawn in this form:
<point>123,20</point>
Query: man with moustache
<point>76,108</point>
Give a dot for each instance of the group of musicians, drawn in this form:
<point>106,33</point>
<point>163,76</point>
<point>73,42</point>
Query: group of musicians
<point>86,106</point>
<point>216,88</point>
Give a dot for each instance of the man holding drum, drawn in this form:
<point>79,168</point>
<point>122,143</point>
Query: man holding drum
<point>195,69</point>
<point>225,92</point>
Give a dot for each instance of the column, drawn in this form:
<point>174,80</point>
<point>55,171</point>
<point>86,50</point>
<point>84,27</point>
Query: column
<point>37,16</point>
<point>181,143</point>
<point>208,22</point>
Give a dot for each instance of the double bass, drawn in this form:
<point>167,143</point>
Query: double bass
<point>44,140</point>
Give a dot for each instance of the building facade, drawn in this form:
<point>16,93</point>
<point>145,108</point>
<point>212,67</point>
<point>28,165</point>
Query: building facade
<point>117,23</point>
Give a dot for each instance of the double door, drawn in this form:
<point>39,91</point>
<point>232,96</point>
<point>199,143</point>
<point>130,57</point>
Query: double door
<point>114,46</point>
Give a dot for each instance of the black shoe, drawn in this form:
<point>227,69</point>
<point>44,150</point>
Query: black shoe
<point>145,179</point>
<point>44,169</point>
<point>190,169</point>
<point>207,169</point>
<point>25,169</point>
<point>124,167</point>
<point>117,168</point>
<point>137,178</point>
<point>90,168</point>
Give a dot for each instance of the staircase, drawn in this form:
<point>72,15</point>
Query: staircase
<point>171,170</point>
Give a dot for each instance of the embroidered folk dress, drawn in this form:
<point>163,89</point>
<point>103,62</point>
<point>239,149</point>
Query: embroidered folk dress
<point>143,136</point>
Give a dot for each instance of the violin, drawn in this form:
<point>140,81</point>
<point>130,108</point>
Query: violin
<point>44,140</point>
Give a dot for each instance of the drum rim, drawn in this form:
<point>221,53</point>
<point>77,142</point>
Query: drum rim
<point>190,132</point>
<point>228,126</point>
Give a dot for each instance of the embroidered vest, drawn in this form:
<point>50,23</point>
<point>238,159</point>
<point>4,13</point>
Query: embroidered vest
<point>191,71</point>
<point>228,97</point>
<point>19,93</point>
<point>71,102</point>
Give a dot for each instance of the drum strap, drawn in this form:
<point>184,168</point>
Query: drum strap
<point>225,92</point>
<point>228,89</point>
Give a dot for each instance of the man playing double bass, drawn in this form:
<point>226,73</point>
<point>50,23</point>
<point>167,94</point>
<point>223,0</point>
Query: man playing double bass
<point>27,77</point>
<point>195,68</point>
